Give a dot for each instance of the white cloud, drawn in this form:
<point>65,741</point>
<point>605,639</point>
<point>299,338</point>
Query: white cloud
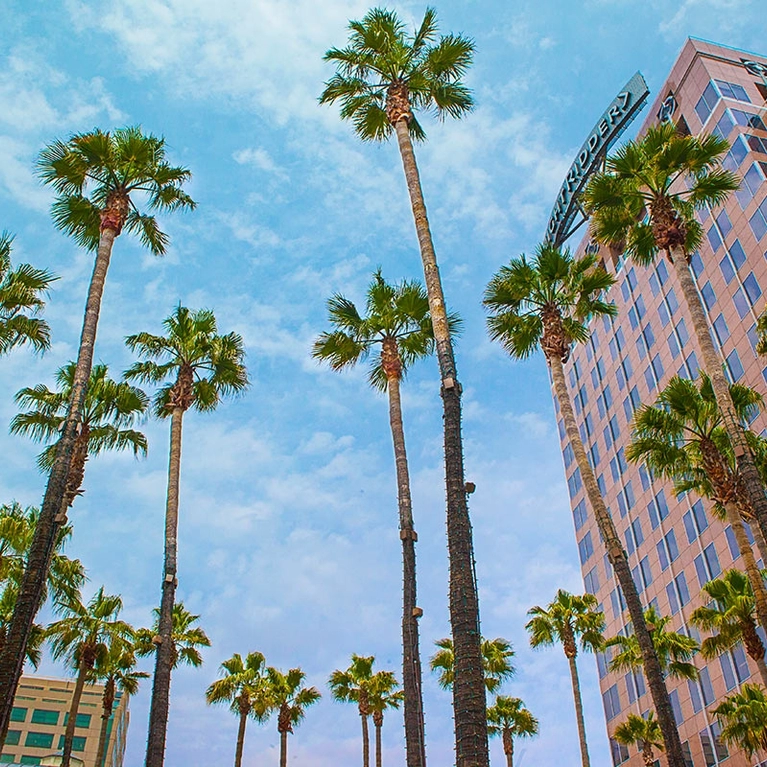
<point>259,158</point>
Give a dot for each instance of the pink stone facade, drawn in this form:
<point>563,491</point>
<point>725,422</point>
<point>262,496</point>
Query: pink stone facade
<point>673,544</point>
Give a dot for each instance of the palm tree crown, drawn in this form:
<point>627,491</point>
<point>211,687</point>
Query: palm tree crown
<point>242,686</point>
<point>568,619</point>
<point>99,176</point>
<point>743,719</point>
<point>21,299</point>
<point>385,72</point>
<point>205,365</point>
<point>290,697</point>
<point>644,732</point>
<point>510,714</point>
<point>496,662</point>
<point>186,638</point>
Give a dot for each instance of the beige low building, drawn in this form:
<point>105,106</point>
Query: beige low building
<point>39,718</point>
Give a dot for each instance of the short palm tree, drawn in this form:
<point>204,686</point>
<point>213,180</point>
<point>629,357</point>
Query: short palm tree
<point>110,409</point>
<point>22,292</point>
<point>674,649</point>
<point>644,202</point>
<point>397,323</point>
<point>82,637</point>
<point>547,303</point>
<point>197,367</point>
<point>186,638</point>
<point>496,662</point>
<point>383,694</point>
<point>509,718</point>
<point>731,615</point>
<point>100,180</point>
<point>761,330</point>
<point>290,699</point>
<point>383,77</point>
<point>570,619</point>
<point>243,687</point>
<point>742,717</point>
<point>681,437</point>
<point>644,733</point>
<point>116,669</point>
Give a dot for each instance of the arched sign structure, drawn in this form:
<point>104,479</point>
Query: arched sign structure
<point>567,215</point>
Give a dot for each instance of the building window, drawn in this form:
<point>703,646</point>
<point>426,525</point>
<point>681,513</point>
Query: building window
<point>45,716</point>
<point>620,753</point>
<point>13,737</point>
<point>706,103</point>
<point>612,702</point>
<point>758,221</point>
<point>644,566</point>
<point>78,743</point>
<point>673,599</point>
<point>574,483</point>
<point>580,515</point>
<point>752,288</point>
<point>747,119</point>
<point>681,587</point>
<point>709,297</point>
<point>585,548</point>
<point>18,714</point>
<point>721,329</point>
<point>736,155</point>
<point>732,91</point>
<point>697,705</point>
<point>676,708</point>
<point>39,740</point>
<point>591,581</point>
<point>752,181</point>
<point>695,521</point>
<point>714,240</point>
<point>734,366</point>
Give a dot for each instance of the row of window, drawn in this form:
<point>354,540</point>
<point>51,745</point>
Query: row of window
<point>42,740</point>
<point>715,90</point>
<point>47,716</point>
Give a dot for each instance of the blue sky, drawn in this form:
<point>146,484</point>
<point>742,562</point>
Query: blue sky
<point>288,540</point>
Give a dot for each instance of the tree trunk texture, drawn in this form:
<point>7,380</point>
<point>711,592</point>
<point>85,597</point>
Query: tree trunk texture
<point>749,562</point>
<point>415,742</point>
<point>365,741</point>
<point>469,705</point>
<point>32,588</point>
<point>579,710</point>
<point>379,745</point>
<point>508,746</point>
<point>69,732</point>
<point>648,757</point>
<point>619,561</point>
<point>240,738</point>
<point>107,702</point>
<point>283,749</point>
<point>713,365</point>
<point>158,713</point>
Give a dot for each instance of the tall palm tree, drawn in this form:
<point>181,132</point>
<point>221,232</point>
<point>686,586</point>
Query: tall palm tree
<point>546,303</point>
<point>117,670</point>
<point>383,694</point>
<point>509,718</point>
<point>109,411</point>
<point>398,323</point>
<point>681,438</point>
<point>22,292</point>
<point>743,719</point>
<point>645,201</point>
<point>496,662</point>
<point>82,637</point>
<point>383,77</point>
<point>243,687</point>
<point>644,733</point>
<point>674,649</point>
<point>196,367</point>
<point>186,638</point>
<point>731,616</point>
<point>290,699</point>
<point>100,179</point>
<point>569,619</point>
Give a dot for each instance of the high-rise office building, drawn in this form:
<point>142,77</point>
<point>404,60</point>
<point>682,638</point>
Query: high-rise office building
<point>675,546</point>
<point>40,715</point>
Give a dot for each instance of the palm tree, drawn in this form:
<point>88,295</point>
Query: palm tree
<point>743,719</point>
<point>496,662</point>
<point>98,178</point>
<point>243,687</point>
<point>197,367</point>
<point>109,411</point>
<point>383,76</point>
<point>509,718</point>
<point>731,616</point>
<point>644,733</point>
<point>569,619</point>
<point>682,438</point>
<point>645,202</point>
<point>116,669</point>
<point>291,699</point>
<point>65,577</point>
<point>398,322</point>
<point>673,649</point>
<point>761,331</point>
<point>547,302</point>
<point>21,299</point>
<point>186,638</point>
<point>383,694</point>
<point>82,637</point>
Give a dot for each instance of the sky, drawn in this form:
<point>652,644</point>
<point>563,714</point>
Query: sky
<point>288,520</point>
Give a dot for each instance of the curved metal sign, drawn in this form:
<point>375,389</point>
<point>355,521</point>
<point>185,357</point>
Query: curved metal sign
<point>567,214</point>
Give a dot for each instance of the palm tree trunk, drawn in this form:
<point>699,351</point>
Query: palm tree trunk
<point>411,658</point>
<point>508,747</point>
<point>713,365</point>
<point>648,757</point>
<point>365,741</point>
<point>579,711</point>
<point>619,561</point>
<point>69,732</point>
<point>378,727</point>
<point>283,749</point>
<point>761,544</point>
<point>32,588</point>
<point>158,714</point>
<point>240,738</point>
<point>107,701</point>
<point>749,561</point>
<point>469,706</point>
